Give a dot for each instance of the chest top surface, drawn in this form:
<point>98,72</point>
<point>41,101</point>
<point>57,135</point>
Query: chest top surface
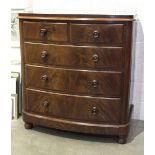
<point>76,17</point>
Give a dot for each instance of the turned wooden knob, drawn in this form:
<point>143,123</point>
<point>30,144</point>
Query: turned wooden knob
<point>44,54</point>
<point>44,78</point>
<point>94,110</point>
<point>96,34</point>
<point>94,83</point>
<point>43,32</point>
<point>95,58</point>
<point>45,104</point>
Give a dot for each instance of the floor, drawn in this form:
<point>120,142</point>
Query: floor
<point>44,141</point>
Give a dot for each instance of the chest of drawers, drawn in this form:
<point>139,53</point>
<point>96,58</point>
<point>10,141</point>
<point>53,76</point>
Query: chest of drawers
<point>76,72</point>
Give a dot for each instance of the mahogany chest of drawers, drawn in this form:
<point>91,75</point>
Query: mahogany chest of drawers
<point>76,72</point>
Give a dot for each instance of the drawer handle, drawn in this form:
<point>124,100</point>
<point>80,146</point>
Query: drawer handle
<point>95,58</point>
<point>44,54</point>
<point>96,35</point>
<point>94,110</point>
<point>43,32</point>
<point>45,104</point>
<point>44,78</point>
<point>94,83</point>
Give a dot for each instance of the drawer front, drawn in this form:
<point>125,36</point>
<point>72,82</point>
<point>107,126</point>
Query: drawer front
<point>45,31</point>
<point>74,56</point>
<point>110,34</point>
<point>71,81</point>
<point>73,107</point>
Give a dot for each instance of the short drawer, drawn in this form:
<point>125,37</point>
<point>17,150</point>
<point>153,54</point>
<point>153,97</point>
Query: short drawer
<point>74,56</point>
<point>108,34</point>
<point>43,31</point>
<point>73,107</point>
<point>74,81</point>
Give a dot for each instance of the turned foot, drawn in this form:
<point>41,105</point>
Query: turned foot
<point>122,139</point>
<point>28,125</point>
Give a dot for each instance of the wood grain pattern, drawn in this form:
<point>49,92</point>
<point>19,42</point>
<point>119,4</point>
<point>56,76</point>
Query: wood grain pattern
<point>71,81</point>
<point>55,31</point>
<point>68,107</point>
<point>74,56</point>
<point>109,34</point>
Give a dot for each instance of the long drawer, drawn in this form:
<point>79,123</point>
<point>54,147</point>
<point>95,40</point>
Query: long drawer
<point>45,31</point>
<point>106,34</point>
<point>90,109</point>
<point>103,83</point>
<point>74,56</point>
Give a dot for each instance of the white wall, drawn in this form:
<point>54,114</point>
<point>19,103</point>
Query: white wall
<point>137,74</point>
<point>18,4</point>
<point>109,7</point>
<point>90,6</point>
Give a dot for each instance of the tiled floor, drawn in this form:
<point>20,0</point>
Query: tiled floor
<point>43,141</point>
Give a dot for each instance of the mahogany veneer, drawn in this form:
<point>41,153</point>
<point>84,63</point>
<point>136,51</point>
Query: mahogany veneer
<point>76,72</point>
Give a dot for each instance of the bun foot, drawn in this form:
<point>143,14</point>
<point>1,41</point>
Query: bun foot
<point>122,139</point>
<point>28,125</point>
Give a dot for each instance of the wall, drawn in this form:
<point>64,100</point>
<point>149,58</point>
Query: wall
<point>90,6</point>
<point>109,7</point>
<point>137,74</point>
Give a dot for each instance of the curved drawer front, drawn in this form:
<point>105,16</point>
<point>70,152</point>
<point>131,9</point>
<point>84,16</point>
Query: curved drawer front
<point>74,56</point>
<point>43,31</point>
<point>73,107</point>
<point>110,34</point>
<point>72,81</point>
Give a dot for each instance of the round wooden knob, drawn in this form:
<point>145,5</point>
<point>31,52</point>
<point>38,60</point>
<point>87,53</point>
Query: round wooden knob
<point>44,78</point>
<point>43,32</point>
<point>96,34</point>
<point>95,58</point>
<point>44,54</point>
<point>94,110</point>
<point>94,83</point>
<point>45,104</point>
